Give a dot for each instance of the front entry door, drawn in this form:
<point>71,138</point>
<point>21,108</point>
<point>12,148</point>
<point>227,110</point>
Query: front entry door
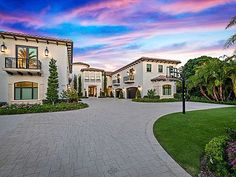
<point>92,91</point>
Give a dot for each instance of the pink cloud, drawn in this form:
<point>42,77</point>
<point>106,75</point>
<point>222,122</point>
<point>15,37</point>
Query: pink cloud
<point>191,5</point>
<point>25,18</point>
<point>95,7</point>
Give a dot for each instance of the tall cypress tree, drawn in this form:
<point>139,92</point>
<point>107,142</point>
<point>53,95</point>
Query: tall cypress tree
<point>105,84</point>
<point>53,85</point>
<point>75,82</point>
<point>80,86</point>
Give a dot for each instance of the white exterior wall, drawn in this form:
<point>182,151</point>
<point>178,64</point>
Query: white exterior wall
<point>86,84</point>
<point>148,84</point>
<point>143,78</point>
<point>58,52</point>
<point>138,79</point>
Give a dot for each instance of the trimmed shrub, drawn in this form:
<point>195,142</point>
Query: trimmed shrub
<point>70,94</point>
<point>154,100</point>
<point>37,108</point>
<point>215,154</point>
<point>138,94</point>
<point>151,93</point>
<point>178,96</point>
<point>121,95</point>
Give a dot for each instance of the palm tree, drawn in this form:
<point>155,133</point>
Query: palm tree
<point>232,39</point>
<point>231,70</point>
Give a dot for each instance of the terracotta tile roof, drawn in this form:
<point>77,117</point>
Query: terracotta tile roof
<point>92,69</point>
<point>81,63</point>
<point>24,35</point>
<point>108,73</point>
<point>159,60</point>
<point>42,39</point>
<point>163,78</point>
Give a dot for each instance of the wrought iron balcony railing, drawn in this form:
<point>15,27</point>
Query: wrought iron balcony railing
<point>128,79</point>
<point>116,82</point>
<point>22,63</point>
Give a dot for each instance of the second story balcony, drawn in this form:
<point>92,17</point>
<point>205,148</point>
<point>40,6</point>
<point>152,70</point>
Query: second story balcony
<point>116,82</point>
<point>22,66</point>
<point>128,79</point>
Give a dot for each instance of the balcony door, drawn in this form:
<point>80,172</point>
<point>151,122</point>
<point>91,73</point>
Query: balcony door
<point>27,57</point>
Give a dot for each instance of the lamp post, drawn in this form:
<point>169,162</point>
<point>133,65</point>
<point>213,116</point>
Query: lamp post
<point>179,75</point>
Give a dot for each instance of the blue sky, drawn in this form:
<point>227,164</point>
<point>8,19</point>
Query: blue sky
<point>110,33</point>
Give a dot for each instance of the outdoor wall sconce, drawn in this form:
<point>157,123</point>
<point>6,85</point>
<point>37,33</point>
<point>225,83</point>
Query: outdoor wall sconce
<point>3,47</point>
<point>46,52</point>
<point>127,72</point>
<point>139,88</point>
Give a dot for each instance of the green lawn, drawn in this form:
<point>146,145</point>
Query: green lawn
<point>184,136</point>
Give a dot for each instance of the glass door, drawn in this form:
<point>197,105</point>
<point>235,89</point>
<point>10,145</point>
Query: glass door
<point>32,57</point>
<point>27,57</point>
<point>21,56</point>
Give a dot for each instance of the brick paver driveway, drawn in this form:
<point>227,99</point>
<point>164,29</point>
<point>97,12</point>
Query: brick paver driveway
<point>110,138</point>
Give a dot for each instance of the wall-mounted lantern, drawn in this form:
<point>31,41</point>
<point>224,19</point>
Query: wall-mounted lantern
<point>139,88</point>
<point>46,52</point>
<point>3,47</point>
<point>127,72</point>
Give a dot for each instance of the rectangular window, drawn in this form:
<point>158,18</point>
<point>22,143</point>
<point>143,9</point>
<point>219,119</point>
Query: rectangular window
<point>92,78</point>
<point>86,78</point>
<point>27,57</point>
<point>166,90</point>
<point>98,78</point>
<point>160,68</point>
<point>26,91</point>
<point>149,67</point>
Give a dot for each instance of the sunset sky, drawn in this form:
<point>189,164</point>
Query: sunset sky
<point>111,33</point>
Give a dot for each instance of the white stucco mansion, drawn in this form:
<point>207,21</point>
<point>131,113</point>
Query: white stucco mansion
<point>143,74</point>
<point>24,71</point>
<point>24,66</point>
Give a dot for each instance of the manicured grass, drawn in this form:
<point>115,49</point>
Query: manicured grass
<point>184,136</point>
<point>154,100</point>
<point>24,109</point>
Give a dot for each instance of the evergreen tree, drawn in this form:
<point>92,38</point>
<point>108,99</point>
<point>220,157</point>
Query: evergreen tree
<point>80,87</point>
<point>105,85</point>
<point>121,95</point>
<point>75,82</point>
<point>53,85</point>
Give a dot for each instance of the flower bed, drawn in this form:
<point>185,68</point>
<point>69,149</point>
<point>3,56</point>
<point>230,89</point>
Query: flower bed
<point>37,108</point>
<point>220,156</point>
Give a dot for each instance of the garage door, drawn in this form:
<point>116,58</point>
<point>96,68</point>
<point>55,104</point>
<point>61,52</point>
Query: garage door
<point>131,92</point>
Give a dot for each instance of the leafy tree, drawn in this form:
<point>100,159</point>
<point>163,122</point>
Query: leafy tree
<point>53,85</point>
<point>138,94</point>
<point>70,94</point>
<point>151,93</point>
<point>80,86</point>
<point>212,79</point>
<point>75,83</point>
<point>189,70</point>
<point>232,39</point>
<point>231,71</point>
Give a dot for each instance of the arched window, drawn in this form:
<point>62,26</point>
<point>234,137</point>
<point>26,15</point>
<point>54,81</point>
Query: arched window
<point>25,91</point>
<point>166,89</point>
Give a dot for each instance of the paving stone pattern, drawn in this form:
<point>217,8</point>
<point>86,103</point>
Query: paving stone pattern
<point>111,138</point>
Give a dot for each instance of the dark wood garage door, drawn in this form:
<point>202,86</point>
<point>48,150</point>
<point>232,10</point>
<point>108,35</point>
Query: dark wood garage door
<point>131,92</point>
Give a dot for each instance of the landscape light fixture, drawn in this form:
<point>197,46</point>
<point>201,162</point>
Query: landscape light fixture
<point>3,47</point>
<point>46,52</point>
